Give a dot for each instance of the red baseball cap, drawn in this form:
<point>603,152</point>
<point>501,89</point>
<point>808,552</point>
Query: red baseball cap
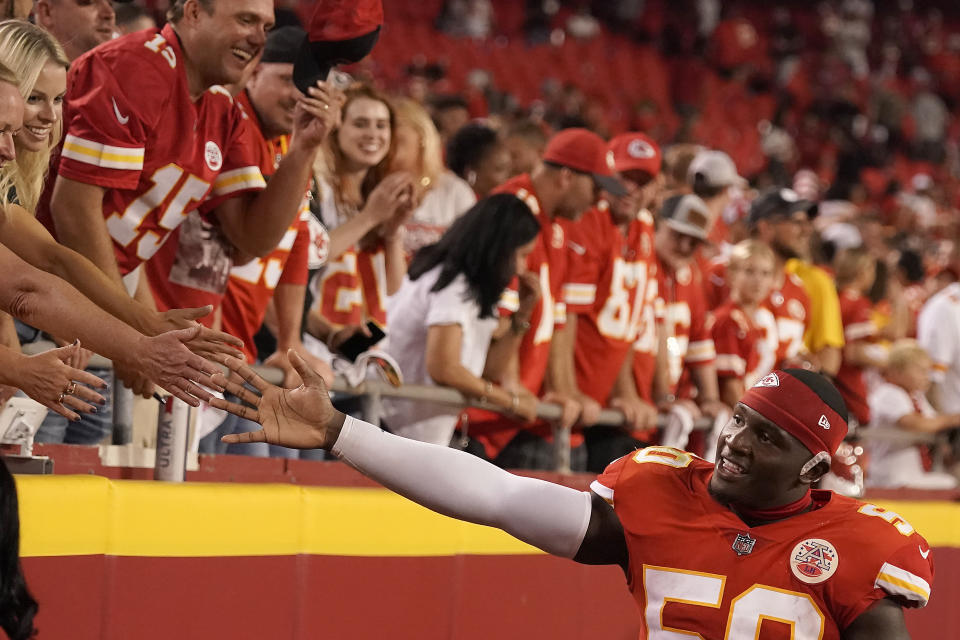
<point>340,32</point>
<point>635,151</point>
<point>586,152</point>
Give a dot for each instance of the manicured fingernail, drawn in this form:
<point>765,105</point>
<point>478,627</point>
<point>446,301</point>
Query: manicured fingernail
<point>93,409</point>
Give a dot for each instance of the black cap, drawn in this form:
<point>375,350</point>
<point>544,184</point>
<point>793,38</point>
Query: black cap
<point>317,58</point>
<point>283,44</point>
<point>779,203</point>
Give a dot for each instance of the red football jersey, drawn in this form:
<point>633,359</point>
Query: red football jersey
<point>250,287</point>
<point>737,340</point>
<point>132,128</point>
<point>549,260</point>
<point>612,280</point>
<point>696,568</point>
<point>689,342</point>
<point>192,268</point>
<point>857,314</point>
<point>789,304</point>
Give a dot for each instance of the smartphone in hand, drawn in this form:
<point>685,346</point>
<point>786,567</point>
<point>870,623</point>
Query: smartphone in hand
<point>358,342</point>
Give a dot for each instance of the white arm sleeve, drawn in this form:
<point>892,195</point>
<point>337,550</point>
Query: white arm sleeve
<point>460,485</point>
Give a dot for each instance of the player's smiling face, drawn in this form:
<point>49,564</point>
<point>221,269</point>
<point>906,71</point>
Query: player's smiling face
<point>758,463</point>
<point>231,38</point>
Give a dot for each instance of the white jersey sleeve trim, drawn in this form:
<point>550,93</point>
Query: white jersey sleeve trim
<point>238,180</point>
<point>602,490</point>
<point>102,155</point>
<point>903,584</point>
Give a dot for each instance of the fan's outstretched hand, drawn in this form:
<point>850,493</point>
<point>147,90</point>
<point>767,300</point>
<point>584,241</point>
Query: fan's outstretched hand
<point>301,418</point>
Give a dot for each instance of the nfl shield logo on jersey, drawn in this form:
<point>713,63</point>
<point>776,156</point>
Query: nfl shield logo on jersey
<point>814,560</point>
<point>744,544</point>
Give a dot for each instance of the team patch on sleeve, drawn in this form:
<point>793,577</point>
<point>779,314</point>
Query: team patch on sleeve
<point>903,584</point>
<point>240,179</point>
<point>103,155</point>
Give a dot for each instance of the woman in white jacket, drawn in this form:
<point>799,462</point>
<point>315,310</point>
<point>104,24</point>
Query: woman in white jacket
<point>443,322</point>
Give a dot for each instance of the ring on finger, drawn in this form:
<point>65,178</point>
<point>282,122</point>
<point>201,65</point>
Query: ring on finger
<point>71,388</point>
<point>60,399</point>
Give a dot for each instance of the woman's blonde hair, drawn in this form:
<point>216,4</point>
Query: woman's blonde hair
<point>25,49</point>
<point>411,114</point>
<point>334,159</point>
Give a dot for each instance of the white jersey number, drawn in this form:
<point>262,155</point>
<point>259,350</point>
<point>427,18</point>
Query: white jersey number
<point>663,585</point>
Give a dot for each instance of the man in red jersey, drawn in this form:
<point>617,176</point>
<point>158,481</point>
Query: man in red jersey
<point>79,25</point>
<point>609,294</point>
<point>575,164</point>
<point>690,355</point>
<point>150,136</point>
<point>742,548</point>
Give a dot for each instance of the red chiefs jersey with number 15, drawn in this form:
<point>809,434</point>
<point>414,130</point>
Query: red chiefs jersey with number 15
<point>612,281</point>
<point>132,128</point>
<point>696,568</point>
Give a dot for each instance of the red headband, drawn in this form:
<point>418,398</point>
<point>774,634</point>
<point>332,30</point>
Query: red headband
<point>795,408</point>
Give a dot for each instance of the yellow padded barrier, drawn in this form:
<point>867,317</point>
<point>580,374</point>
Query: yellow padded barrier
<point>90,515</point>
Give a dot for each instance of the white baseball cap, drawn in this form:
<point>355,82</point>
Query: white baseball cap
<point>715,168</point>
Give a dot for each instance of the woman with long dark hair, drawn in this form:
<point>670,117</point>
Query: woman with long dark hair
<point>17,606</point>
<point>442,319</point>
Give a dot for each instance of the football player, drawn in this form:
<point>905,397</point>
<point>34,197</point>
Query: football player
<point>732,549</point>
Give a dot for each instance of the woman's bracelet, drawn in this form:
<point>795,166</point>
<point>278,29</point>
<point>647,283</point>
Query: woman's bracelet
<point>514,401</point>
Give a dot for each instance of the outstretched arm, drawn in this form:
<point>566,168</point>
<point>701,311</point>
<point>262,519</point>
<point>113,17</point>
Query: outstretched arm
<point>549,516</point>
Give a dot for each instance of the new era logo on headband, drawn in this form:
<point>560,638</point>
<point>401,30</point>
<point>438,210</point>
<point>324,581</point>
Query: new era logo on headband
<point>824,422</point>
<point>769,380</point>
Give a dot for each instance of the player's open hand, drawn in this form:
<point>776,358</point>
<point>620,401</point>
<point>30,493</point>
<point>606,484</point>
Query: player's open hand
<point>301,418</point>
<point>208,342</point>
<point>166,360</point>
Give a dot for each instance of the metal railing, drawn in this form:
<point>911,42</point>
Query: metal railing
<point>372,392</point>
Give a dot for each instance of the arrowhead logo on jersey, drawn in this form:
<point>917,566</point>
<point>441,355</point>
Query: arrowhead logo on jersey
<point>212,156</point>
<point>814,560</point>
<point>824,422</point>
<point>769,380</point>
<point>744,544</point>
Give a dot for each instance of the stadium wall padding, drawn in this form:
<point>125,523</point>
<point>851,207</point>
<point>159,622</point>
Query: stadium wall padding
<point>123,559</point>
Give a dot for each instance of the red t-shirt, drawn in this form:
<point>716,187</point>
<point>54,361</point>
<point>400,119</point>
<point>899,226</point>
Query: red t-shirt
<point>132,128</point>
<point>612,281</point>
<point>856,311</point>
<point>696,568</point>
<point>549,260</point>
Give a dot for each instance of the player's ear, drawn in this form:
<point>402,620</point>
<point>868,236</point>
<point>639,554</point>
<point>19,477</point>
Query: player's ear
<point>564,178</point>
<point>815,468</point>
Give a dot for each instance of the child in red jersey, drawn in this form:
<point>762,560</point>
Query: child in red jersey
<point>737,334</point>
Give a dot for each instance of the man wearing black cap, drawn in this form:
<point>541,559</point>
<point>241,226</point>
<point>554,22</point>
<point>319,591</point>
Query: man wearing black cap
<point>575,166</point>
<point>740,548</point>
<point>781,218</point>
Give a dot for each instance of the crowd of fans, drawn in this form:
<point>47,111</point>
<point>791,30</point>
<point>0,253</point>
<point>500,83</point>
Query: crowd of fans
<point>766,188</point>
